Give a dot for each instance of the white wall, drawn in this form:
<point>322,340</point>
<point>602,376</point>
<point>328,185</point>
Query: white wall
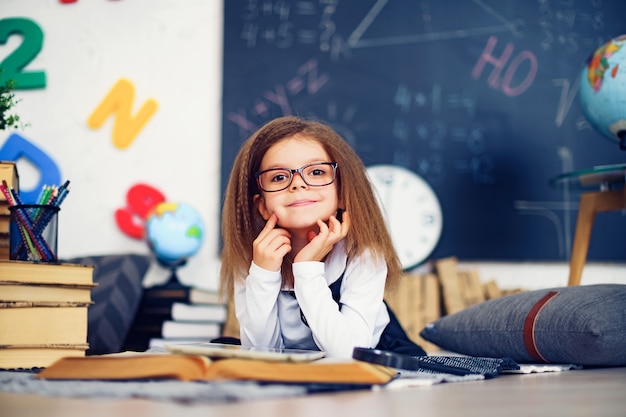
<point>171,51</point>
<point>531,276</point>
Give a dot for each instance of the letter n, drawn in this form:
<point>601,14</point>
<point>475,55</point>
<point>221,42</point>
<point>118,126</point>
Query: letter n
<point>119,102</point>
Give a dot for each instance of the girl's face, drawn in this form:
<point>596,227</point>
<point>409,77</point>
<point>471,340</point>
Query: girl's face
<point>299,206</point>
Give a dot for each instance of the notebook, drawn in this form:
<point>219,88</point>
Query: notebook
<point>222,350</point>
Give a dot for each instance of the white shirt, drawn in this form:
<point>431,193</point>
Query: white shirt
<point>269,315</point>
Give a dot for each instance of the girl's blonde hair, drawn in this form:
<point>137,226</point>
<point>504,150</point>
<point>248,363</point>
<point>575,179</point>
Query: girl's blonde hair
<point>241,221</point>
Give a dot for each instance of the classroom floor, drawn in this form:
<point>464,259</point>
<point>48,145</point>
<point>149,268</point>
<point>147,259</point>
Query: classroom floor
<point>588,393</point>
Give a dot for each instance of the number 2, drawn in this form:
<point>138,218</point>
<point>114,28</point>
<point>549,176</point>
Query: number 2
<point>13,65</point>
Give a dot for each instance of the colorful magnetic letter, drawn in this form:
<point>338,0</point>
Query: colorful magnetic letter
<point>17,147</point>
<point>140,200</point>
<point>32,42</point>
<point>119,101</point>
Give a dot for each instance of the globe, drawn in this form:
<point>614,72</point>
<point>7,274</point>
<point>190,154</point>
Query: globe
<point>602,90</point>
<point>175,232</point>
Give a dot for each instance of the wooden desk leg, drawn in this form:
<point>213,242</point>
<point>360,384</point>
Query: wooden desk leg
<point>590,204</point>
<point>580,247</point>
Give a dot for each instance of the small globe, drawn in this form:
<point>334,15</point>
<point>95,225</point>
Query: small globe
<point>603,90</point>
<point>175,232</point>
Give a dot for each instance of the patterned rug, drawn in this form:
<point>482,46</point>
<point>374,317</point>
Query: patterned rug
<point>221,392</point>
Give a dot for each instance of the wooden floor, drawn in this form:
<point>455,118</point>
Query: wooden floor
<point>588,393</point>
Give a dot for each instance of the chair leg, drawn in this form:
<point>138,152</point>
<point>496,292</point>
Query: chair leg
<point>590,204</point>
<point>584,223</point>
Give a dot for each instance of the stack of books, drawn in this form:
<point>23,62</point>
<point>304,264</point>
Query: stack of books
<point>8,173</point>
<point>176,313</point>
<point>43,312</point>
<point>416,302</point>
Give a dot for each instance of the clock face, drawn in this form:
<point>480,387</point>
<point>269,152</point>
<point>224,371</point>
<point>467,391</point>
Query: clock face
<point>411,209</point>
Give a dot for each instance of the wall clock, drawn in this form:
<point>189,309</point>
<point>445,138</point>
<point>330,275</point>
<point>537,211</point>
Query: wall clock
<point>411,209</point>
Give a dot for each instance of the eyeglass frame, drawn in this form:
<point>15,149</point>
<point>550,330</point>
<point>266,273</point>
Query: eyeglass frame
<point>292,173</point>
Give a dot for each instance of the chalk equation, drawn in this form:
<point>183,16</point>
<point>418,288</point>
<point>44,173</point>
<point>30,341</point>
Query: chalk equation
<point>468,94</point>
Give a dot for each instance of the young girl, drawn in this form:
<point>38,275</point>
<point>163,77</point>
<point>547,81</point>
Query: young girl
<point>306,251</point>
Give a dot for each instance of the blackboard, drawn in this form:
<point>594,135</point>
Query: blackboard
<point>477,97</point>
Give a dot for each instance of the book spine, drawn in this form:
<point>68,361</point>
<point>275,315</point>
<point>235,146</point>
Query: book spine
<point>42,323</point>
<point>198,312</point>
<point>180,329</point>
<point>77,346</point>
<point>31,304</point>
<point>157,307</point>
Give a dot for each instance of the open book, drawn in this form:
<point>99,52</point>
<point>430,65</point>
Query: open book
<point>199,367</point>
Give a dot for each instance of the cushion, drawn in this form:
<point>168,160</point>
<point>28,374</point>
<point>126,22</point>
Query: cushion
<point>584,325</point>
<point>116,299</point>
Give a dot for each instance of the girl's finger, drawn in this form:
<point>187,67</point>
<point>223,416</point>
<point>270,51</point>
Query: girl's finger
<point>269,226</point>
<point>271,222</point>
<point>338,229</point>
<point>334,224</point>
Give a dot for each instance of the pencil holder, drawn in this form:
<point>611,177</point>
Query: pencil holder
<point>33,232</point>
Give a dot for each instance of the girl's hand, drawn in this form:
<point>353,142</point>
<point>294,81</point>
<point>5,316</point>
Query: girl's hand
<point>271,246</point>
<point>322,243</point>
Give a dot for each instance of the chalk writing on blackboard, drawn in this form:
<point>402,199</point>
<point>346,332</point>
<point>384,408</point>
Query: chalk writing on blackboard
<point>479,97</point>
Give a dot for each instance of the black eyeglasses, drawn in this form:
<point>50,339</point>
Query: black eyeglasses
<point>314,175</point>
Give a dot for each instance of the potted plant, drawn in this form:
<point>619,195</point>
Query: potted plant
<point>7,102</point>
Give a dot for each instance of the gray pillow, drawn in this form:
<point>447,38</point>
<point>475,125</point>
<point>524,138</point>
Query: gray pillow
<point>584,325</point>
<point>116,299</point>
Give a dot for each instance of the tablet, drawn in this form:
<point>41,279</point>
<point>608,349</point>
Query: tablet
<point>222,350</point>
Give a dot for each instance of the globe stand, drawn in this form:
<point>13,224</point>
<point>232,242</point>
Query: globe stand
<point>173,267</point>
